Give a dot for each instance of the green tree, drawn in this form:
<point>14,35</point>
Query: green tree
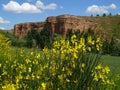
<point>104,15</point>
<point>77,33</point>
<point>45,38</point>
<point>111,47</point>
<point>69,33</point>
<point>106,47</point>
<point>114,48</point>
<point>97,15</point>
<point>110,14</point>
<point>38,38</point>
<point>91,15</point>
<point>29,40</point>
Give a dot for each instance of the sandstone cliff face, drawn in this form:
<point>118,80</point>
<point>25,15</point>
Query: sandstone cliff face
<point>23,28</point>
<point>59,24</point>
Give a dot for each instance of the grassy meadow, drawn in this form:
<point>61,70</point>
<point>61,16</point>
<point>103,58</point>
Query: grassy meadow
<point>113,62</point>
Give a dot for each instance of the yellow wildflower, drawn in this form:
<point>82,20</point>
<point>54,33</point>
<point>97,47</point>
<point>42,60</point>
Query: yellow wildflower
<point>67,80</point>
<point>38,55</point>
<point>99,66</point>
<point>9,87</point>
<point>29,69</point>
<point>106,69</point>
<point>83,65</point>
<point>32,53</point>
<point>43,85</point>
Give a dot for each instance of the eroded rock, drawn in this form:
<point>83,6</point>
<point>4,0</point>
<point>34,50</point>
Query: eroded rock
<point>58,24</point>
<point>23,28</point>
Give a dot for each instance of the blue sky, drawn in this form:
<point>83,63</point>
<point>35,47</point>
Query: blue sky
<point>18,11</point>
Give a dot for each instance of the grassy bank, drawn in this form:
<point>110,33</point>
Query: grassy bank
<point>113,62</point>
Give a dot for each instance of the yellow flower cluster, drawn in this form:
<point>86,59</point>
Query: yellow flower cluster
<point>68,65</point>
<point>4,44</point>
<point>9,87</point>
<point>74,46</point>
<point>101,74</point>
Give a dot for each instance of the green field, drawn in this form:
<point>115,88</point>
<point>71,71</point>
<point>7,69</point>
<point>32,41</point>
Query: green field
<point>113,62</point>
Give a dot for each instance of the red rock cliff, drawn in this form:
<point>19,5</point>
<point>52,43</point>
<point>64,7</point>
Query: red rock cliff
<point>59,24</point>
<point>23,28</point>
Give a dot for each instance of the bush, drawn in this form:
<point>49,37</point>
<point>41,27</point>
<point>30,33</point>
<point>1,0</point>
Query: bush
<point>68,65</point>
<point>4,44</point>
<point>36,38</point>
<point>111,47</point>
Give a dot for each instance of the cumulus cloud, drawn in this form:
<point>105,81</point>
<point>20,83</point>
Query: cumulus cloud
<point>112,6</point>
<point>3,21</point>
<point>15,7</point>
<point>118,13</point>
<point>2,28</point>
<point>41,5</point>
<point>95,9</point>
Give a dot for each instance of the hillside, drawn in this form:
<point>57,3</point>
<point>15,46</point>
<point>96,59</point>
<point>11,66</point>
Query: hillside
<point>110,25</point>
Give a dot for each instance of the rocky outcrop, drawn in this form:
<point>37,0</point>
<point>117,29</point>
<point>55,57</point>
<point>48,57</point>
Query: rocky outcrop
<point>23,28</point>
<point>59,24</point>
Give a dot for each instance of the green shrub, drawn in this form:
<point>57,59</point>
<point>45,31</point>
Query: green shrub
<point>68,65</point>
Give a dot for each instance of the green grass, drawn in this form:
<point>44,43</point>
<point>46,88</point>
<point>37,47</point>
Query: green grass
<point>109,26</point>
<point>113,62</point>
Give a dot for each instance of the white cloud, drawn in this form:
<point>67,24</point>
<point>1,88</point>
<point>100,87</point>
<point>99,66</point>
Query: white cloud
<point>41,5</point>
<point>2,28</point>
<point>112,6</point>
<point>118,13</point>
<point>3,21</point>
<point>95,9</point>
<point>15,7</point>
